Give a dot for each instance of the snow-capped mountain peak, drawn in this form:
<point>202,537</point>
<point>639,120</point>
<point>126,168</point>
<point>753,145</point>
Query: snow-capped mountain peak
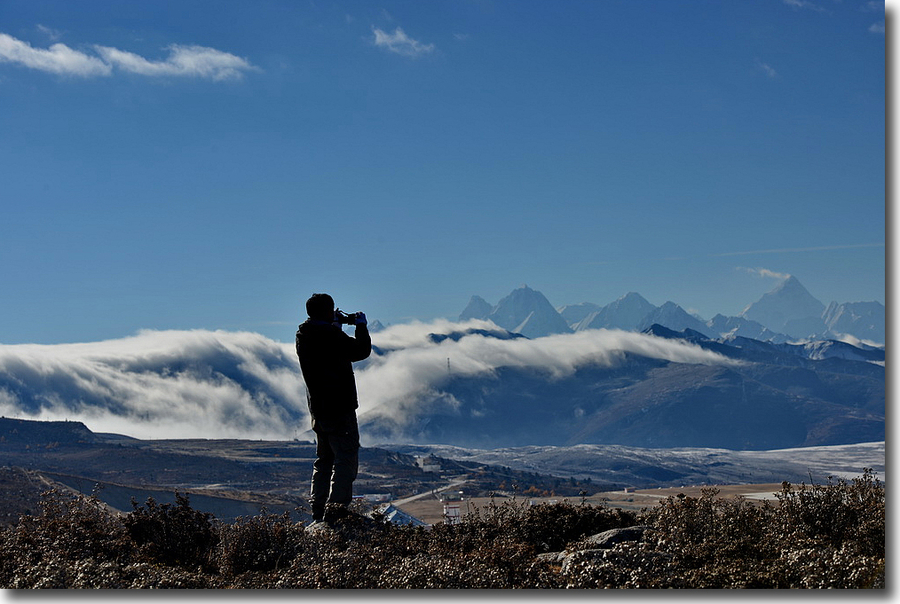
<point>524,310</point>
<point>674,317</point>
<point>789,308</point>
<point>478,308</point>
<point>625,313</point>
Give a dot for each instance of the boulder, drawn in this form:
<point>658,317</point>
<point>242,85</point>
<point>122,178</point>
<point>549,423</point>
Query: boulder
<point>607,539</point>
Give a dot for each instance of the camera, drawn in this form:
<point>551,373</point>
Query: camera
<point>347,319</point>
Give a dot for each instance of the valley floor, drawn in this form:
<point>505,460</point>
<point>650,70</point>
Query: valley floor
<point>432,510</point>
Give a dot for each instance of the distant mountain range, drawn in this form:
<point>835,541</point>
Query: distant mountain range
<point>803,374</point>
<point>787,313</point>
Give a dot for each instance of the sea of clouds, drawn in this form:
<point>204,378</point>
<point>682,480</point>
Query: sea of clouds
<point>221,384</point>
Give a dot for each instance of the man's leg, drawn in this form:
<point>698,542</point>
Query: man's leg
<point>345,447</point>
<point>321,477</point>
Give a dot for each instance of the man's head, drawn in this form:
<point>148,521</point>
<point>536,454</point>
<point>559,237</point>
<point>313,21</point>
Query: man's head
<point>320,307</point>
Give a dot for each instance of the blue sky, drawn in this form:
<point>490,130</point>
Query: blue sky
<point>178,165</point>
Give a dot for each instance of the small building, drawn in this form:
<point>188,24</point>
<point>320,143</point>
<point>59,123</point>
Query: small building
<point>534,502</point>
<point>429,463</point>
<point>397,516</point>
<point>452,496</point>
<point>452,513</point>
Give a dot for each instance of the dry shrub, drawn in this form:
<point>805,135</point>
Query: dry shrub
<point>627,565</point>
<point>550,527</point>
<point>545,527</point>
<point>174,535</point>
<point>839,513</point>
<point>815,536</point>
<point>828,535</point>
<point>259,543</point>
<point>69,527</point>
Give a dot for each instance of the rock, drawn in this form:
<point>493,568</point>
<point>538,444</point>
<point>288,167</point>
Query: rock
<point>319,526</point>
<point>552,557</point>
<point>596,548</point>
<point>580,557</point>
<point>607,539</point>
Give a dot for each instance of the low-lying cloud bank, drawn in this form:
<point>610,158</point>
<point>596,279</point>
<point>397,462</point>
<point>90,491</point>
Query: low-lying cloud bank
<point>204,384</point>
<point>160,384</point>
<point>416,366</point>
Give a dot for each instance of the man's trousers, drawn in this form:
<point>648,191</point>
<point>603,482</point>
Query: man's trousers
<point>336,465</point>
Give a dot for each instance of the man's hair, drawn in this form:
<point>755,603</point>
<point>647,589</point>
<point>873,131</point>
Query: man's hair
<point>320,307</point>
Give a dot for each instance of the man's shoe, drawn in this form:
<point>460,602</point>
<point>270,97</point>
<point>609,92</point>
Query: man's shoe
<point>317,526</point>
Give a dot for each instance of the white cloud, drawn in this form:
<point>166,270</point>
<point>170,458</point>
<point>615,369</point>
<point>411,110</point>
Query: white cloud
<point>401,44</point>
<point>803,4</point>
<point>766,69</point>
<point>202,384</point>
<point>161,384</point>
<point>393,384</point>
<point>59,58</point>
<point>823,248</point>
<point>766,273</point>
<point>53,34</point>
<point>184,61</point>
<point>193,61</point>
<point>877,28</point>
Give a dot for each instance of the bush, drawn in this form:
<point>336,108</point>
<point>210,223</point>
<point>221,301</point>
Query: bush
<point>53,549</point>
<point>174,535</point>
<point>544,527</point>
<point>839,513</point>
<point>72,527</point>
<point>550,527</point>
<point>814,536</point>
<point>817,536</point>
<point>258,543</point>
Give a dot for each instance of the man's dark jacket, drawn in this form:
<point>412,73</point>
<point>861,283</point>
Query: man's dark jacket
<point>326,354</point>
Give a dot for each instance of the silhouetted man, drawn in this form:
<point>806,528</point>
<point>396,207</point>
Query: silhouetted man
<point>326,354</point>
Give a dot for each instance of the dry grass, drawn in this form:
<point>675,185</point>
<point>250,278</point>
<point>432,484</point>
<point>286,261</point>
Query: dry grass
<point>830,535</point>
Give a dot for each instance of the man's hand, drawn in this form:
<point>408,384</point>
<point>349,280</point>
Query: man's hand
<point>361,318</point>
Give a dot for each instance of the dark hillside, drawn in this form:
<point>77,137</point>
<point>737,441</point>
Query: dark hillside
<point>25,432</point>
<point>20,493</point>
<point>229,477</point>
